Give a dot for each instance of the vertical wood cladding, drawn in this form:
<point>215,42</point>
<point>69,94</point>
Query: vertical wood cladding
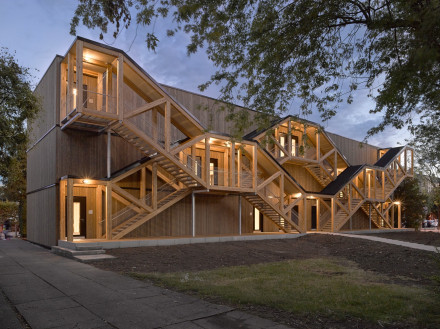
<point>215,215</point>
<point>357,153</point>
<point>42,224</point>
<point>359,221</point>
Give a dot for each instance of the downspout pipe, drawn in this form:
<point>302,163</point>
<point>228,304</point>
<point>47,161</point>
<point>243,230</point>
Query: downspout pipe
<point>193,209</point>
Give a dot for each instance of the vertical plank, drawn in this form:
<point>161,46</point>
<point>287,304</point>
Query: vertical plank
<point>167,128</point>
<point>63,189</point>
<point>69,209</point>
<point>79,75</point>
<point>120,87</point>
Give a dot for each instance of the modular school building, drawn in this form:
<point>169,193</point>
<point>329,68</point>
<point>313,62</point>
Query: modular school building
<point>115,155</point>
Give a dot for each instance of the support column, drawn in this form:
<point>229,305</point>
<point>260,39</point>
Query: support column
<point>207,162</point>
<point>232,165</point>
<point>79,76</point>
<point>193,159</point>
<point>143,185</point>
<point>289,138</point>
<point>239,214</point>
<point>239,167</point>
<point>282,192</point>
<point>108,217</point>
<point>332,203</point>
<point>120,87</point>
<point>305,214</point>
<point>154,186</point>
<point>63,189</point>
<point>70,75</point>
<point>392,215</point>
<point>369,214</point>
<point>193,214</point>
<point>109,153</point>
<point>254,167</point>
<point>69,209</point>
<point>167,128</point>
<point>399,215</point>
<point>318,146</point>
<point>109,89</point>
<point>98,212</point>
<point>318,214</point>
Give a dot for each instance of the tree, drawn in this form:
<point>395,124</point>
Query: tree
<point>272,52</point>
<point>18,104</point>
<point>413,202</point>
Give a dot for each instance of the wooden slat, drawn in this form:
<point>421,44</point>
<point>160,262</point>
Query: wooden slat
<point>145,108</point>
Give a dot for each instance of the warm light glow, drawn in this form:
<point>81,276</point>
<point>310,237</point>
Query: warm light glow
<point>397,202</point>
<point>296,195</point>
<point>86,59</point>
<point>74,91</point>
<point>228,144</point>
<point>87,181</point>
<point>210,140</point>
<point>311,197</point>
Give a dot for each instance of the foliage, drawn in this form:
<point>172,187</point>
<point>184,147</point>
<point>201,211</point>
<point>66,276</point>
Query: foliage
<point>413,202</point>
<point>9,210</point>
<point>321,288</point>
<point>270,53</point>
<point>17,105</point>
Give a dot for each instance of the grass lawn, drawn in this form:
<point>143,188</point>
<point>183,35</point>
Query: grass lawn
<point>322,287</point>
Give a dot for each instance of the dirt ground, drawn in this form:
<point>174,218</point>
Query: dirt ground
<point>402,265</point>
<point>423,237</point>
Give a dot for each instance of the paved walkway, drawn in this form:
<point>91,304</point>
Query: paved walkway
<point>390,241</point>
<point>43,290</point>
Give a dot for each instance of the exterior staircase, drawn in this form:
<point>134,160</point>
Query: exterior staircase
<point>341,217</point>
<point>375,217</point>
<point>317,172</point>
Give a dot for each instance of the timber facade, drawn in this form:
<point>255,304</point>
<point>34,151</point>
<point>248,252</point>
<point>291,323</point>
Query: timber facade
<point>115,155</point>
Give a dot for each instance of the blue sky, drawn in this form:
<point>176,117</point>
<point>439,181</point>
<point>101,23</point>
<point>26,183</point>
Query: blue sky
<point>37,30</point>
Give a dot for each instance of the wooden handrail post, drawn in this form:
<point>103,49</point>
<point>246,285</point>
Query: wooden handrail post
<point>207,161</point>
<point>63,189</point>
<point>120,87</point>
<point>79,76</point>
<point>69,209</point>
<point>108,217</point>
<point>232,164</point>
<point>167,128</point>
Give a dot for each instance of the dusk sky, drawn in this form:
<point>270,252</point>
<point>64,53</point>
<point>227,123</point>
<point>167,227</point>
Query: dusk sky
<point>37,30</point>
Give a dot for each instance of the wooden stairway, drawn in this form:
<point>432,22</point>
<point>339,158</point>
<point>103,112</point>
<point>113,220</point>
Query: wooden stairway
<point>168,162</point>
<point>317,172</point>
<point>341,217</point>
<point>140,218</point>
<point>283,223</point>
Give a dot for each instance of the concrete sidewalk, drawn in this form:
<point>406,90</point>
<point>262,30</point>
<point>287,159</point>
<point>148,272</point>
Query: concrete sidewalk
<point>43,290</point>
<point>390,241</point>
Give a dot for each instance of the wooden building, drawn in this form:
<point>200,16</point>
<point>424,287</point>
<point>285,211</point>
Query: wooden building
<point>115,155</point>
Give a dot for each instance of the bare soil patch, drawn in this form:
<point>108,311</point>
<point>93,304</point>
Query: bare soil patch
<point>394,261</point>
<point>401,265</point>
<point>422,237</point>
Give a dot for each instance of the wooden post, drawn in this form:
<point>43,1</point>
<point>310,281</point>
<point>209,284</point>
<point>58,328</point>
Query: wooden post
<point>374,183</point>
<point>142,185</point>
<point>305,214</point>
<point>239,167</point>
<point>154,125</point>
<point>154,186</point>
<point>108,208</point>
<point>318,146</point>
<point>98,212</point>
<point>282,192</point>
<point>318,214</point>
<point>109,154</point>
<point>232,164</point>
<point>207,162</point>
<point>63,92</point>
<point>63,189</point>
<point>193,214</point>
<point>335,170</point>
<point>100,93</point>
<point>369,214</point>
<point>193,159</point>
<point>289,138</point>
<point>109,89</point>
<point>69,209</point>
<point>392,215</point>
<point>332,203</point>
<point>120,87</point>
<point>255,167</point>
<point>70,77</point>
<point>239,214</point>
<point>399,215</point>
<point>383,184</point>
<point>167,128</point>
<point>79,76</point>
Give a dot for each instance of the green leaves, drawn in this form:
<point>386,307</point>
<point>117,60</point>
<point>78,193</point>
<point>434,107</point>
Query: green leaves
<point>316,52</point>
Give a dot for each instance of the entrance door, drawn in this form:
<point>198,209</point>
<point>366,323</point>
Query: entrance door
<point>213,171</point>
<point>314,216</point>
<point>79,216</point>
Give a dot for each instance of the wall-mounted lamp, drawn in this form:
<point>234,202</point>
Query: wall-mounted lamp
<point>87,181</point>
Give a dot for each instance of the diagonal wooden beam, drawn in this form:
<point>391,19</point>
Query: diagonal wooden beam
<point>130,197</point>
<point>269,180</point>
<point>145,108</point>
